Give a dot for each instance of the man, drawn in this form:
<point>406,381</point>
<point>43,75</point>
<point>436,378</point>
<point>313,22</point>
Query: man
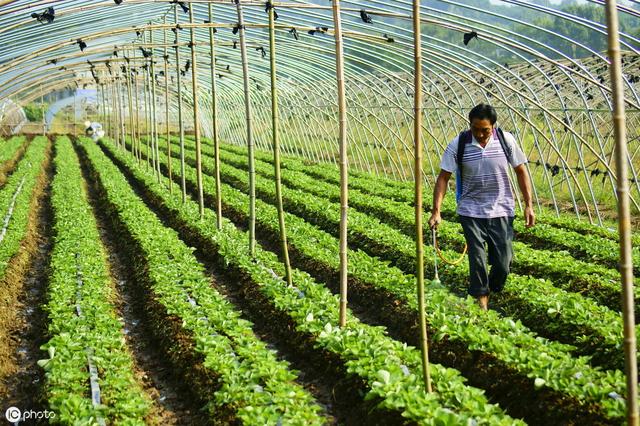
<point>486,206</point>
<point>93,130</point>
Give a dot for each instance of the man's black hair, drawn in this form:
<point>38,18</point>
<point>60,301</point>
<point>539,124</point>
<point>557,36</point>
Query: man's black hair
<point>483,112</point>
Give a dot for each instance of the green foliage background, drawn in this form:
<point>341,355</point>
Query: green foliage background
<point>549,44</point>
<point>34,111</point>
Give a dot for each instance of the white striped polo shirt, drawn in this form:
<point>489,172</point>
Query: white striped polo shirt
<point>486,192</point>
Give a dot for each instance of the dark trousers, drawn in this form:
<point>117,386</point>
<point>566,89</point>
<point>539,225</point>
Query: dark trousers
<point>497,234</point>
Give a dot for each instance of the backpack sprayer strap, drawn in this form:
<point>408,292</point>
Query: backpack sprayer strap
<point>465,138</point>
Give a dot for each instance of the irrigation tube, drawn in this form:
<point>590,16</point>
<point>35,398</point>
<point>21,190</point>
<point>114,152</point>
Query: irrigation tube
<point>93,371</point>
<point>10,211</point>
<point>624,222</point>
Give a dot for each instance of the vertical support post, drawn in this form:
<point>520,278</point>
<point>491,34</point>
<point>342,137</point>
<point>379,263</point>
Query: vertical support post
<point>44,122</point>
<point>417,175</point>
<point>104,106</point>
<point>130,103</point>
<point>344,170</point>
<point>107,118</point>
<point>122,115</point>
<point>116,118</point>
<point>247,107</point>
<point>180,123</point>
<point>624,220</point>
<point>276,144</point>
<point>154,112</point>
<point>138,138</point>
<point>75,113</point>
<point>166,105</point>
<point>214,121</point>
<point>196,110</point>
<point>147,105</point>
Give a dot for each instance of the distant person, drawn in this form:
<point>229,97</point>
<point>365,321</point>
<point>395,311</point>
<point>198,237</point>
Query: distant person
<point>481,157</point>
<point>93,130</point>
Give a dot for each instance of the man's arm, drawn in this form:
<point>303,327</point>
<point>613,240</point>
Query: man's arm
<point>438,195</point>
<point>525,187</point>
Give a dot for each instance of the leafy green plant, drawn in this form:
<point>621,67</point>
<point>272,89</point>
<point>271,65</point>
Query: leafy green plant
<point>390,369</point>
<point>506,339</point>
<point>535,301</point>
<point>404,192</point>
<point>253,381</point>
<point>560,267</point>
<point>33,111</point>
<point>83,323</point>
<point>15,199</point>
<point>9,147</point>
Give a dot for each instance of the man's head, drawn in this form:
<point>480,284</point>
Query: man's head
<point>482,118</point>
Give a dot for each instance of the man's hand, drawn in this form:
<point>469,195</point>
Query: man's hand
<point>529,217</point>
<point>525,186</point>
<point>434,220</point>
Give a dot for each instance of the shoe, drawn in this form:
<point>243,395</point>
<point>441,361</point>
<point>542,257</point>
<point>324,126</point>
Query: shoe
<point>483,302</point>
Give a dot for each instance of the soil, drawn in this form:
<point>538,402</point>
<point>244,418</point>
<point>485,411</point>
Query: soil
<point>320,373</point>
<point>24,290</point>
<point>9,166</point>
<point>172,401</point>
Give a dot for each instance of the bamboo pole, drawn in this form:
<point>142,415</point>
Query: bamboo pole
<point>130,99</point>
<point>121,107</point>
<point>214,121</point>
<point>107,118</point>
<point>276,145</point>
<point>417,138</point>
<point>196,122</point>
<point>116,113</point>
<point>344,167</point>
<point>154,114</point>
<point>180,123</point>
<point>247,104</point>
<point>104,106</point>
<point>75,112</point>
<point>138,138</point>
<point>166,105</point>
<point>116,105</point>
<point>44,122</point>
<point>624,221</point>
<point>146,115</point>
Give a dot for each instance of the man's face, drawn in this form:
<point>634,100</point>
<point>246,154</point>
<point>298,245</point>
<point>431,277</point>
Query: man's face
<point>481,130</point>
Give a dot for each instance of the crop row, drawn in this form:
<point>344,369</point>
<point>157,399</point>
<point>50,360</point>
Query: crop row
<point>252,382</point>
<point>580,238</point>
<point>9,147</point>
<point>20,195</point>
<point>453,321</point>
<point>404,192</point>
<point>535,301</point>
<point>390,369</point>
<point>15,200</point>
<point>87,344</point>
<point>564,271</point>
<point>10,153</point>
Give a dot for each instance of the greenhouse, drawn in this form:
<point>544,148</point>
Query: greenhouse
<point>302,212</point>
